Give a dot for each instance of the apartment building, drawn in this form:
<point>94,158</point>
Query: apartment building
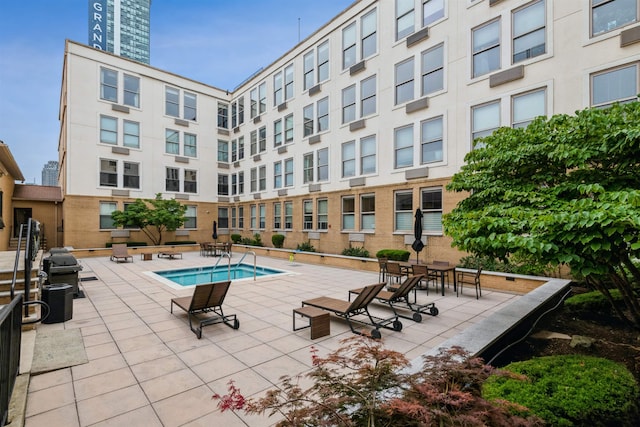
<point>342,138</point>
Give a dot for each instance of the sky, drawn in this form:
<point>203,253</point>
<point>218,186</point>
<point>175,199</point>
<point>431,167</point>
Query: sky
<point>216,42</point>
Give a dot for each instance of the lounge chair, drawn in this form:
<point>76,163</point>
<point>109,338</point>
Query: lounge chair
<point>119,252</point>
<point>207,298</point>
<point>169,254</point>
<point>400,296</point>
<point>347,310</point>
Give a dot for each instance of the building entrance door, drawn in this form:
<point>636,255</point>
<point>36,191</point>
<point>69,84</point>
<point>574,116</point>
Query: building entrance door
<point>20,216</point>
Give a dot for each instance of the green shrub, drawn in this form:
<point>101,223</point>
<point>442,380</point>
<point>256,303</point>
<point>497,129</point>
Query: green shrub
<point>236,238</point>
<point>525,267</point>
<point>180,242</point>
<point>570,390</point>
<point>129,244</point>
<point>277,240</point>
<point>256,241</point>
<point>306,247</point>
<point>356,251</point>
<point>394,254</point>
<point>592,302</point>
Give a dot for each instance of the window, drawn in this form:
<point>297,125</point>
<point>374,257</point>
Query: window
<point>262,215</point>
<point>403,147</point>
<point>191,217</point>
<point>223,184</point>
<point>368,39</point>
<point>323,214</point>
<point>307,215</point>
<point>237,149</point>
<point>131,91</point>
<point>223,151</point>
<point>223,115</point>
<point>486,48</point>
<point>278,89</point>
<point>234,217</point>
<point>307,171</point>
<point>172,142</point>
<point>108,85</point>
<point>237,183</point>
<point>223,217</point>
<point>131,132</point>
<point>237,112</point>
<point>108,130</point>
<point>288,172</point>
<point>190,106</point>
<point>262,139</point>
<point>108,173</point>
<point>277,133</point>
<point>607,15</point>
<point>485,119</point>
<point>431,140</point>
<point>368,96</point>
<point>432,10</point>
<point>277,175</point>
<point>288,215</point>
<point>308,70</point>
<point>106,208</point>
<point>258,97</point>
<point>190,181</point>
<point>131,175</point>
<point>433,70</point>
<point>528,106</point>
<point>241,217</point>
<point>404,81</point>
<point>432,210</point>
<point>254,180</point>
<point>288,129</point>
<point>617,85</point>
<point>323,114</point>
<point>172,182</point>
<point>172,102</point>
<point>252,216</point>
<point>349,104</point>
<point>348,213</point>
<point>403,210</point>
<point>288,82</point>
<point>307,117</point>
<point>277,216</point>
<point>323,164</point>
<point>404,18</point>
<point>349,46</point>
<point>190,145</point>
<point>349,159</point>
<point>368,155</point>
<point>323,61</point>
<point>368,212</point>
<point>253,142</point>
<point>529,32</point>
<point>262,172</point>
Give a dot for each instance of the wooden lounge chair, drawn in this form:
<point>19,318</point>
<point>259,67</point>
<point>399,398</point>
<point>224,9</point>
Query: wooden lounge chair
<point>207,298</point>
<point>170,254</point>
<point>347,310</point>
<point>119,252</point>
<point>400,296</point>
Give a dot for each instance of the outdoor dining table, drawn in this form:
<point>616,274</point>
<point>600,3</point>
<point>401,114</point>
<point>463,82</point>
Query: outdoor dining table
<point>442,269</point>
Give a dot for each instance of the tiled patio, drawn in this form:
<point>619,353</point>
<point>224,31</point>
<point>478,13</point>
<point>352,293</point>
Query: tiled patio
<point>146,368</point>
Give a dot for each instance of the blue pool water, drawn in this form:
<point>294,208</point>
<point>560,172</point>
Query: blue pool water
<point>197,275</point>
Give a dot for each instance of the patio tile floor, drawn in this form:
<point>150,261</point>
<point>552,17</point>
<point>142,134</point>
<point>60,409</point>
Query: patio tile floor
<point>147,368</point>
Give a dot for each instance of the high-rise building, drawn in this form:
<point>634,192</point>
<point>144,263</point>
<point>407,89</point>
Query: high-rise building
<point>50,173</point>
<point>121,27</point>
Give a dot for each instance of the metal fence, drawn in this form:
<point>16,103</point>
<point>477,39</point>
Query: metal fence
<point>10,340</point>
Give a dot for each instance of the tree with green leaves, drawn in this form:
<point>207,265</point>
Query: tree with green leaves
<point>152,216</point>
<point>563,191</point>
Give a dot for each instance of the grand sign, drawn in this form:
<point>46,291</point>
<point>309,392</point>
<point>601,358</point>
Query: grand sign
<point>98,24</point>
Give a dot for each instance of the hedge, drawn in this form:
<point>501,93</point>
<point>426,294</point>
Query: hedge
<point>394,254</point>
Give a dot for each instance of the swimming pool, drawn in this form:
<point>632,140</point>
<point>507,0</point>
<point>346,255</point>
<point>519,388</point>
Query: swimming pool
<point>198,275</point>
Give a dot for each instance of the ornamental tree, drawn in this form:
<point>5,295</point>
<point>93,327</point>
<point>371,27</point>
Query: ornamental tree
<point>152,216</point>
<point>565,190</point>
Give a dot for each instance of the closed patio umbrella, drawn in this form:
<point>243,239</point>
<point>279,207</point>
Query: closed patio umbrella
<point>417,233</point>
<point>215,231</point>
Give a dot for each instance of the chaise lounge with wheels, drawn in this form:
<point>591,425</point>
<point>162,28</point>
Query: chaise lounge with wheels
<point>399,296</point>
<point>206,298</point>
<point>119,252</point>
<point>359,306</point>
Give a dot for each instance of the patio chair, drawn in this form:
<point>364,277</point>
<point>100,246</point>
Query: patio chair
<point>434,275</point>
<point>382,274</point>
<point>469,278</point>
<point>423,271</point>
<point>206,298</point>
<point>395,270</point>
<point>400,297</point>
<point>119,252</point>
<point>359,306</point>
